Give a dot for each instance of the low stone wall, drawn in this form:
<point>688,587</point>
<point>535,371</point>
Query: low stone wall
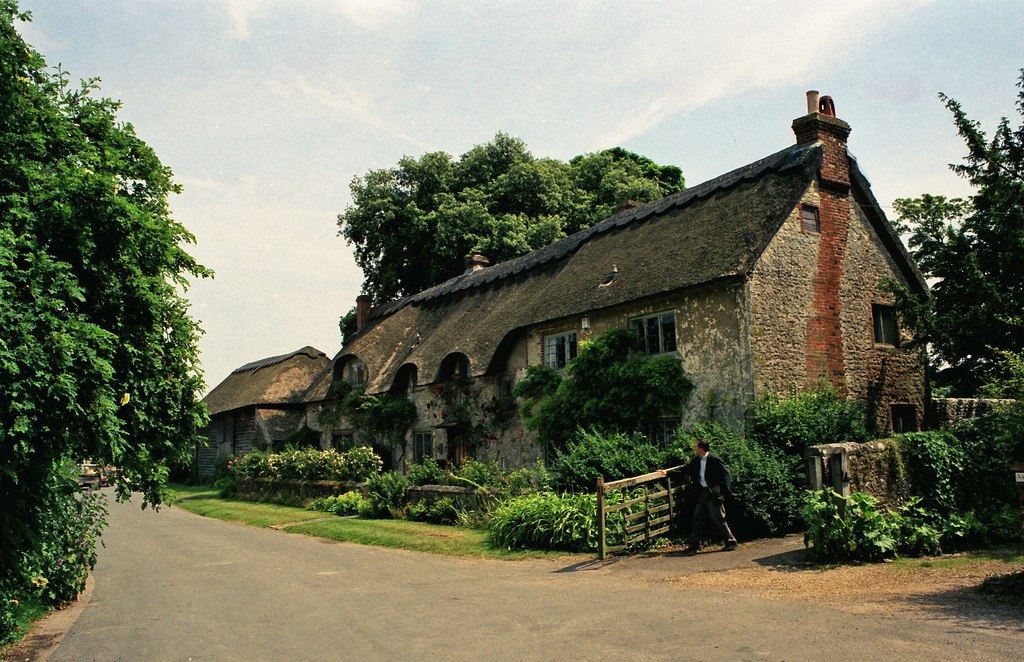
<point>946,412</point>
<point>873,467</point>
<point>467,497</point>
<point>271,489</point>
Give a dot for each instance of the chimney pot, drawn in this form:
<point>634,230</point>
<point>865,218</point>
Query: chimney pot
<point>812,101</point>
<point>476,263</point>
<point>827,107</point>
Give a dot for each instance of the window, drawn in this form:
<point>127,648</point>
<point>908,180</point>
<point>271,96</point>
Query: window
<point>559,350</point>
<point>884,319</point>
<point>658,332</point>
<point>343,441</point>
<point>904,418</point>
<point>660,433</point>
<point>422,447</point>
<point>355,373</point>
<point>810,222</point>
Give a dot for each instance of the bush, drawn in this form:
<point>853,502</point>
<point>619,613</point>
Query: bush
<point>793,423</point>
<point>438,511</point>
<point>348,503</point>
<point>427,473</point>
<point>847,528</point>
<point>386,495</point>
<point>546,521</point>
<point>362,463</point>
<point>764,500</point>
<point>226,486</point>
<point>356,465</point>
<point>593,455</point>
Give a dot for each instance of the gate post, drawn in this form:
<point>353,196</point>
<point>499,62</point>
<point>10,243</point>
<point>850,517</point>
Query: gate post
<point>600,520</point>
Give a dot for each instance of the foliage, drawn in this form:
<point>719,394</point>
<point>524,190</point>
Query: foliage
<point>792,423</point>
<point>427,473</point>
<point>356,464</point>
<point>413,225</point>
<point>593,455</point>
<point>855,528</point>
<point>546,521</point>
<point>935,461</point>
<point>226,486</point>
<point>98,354</point>
<point>610,386</point>
<point>384,416</point>
<point>764,499</point>
<point>462,400</point>
<point>436,511</point>
<point>849,528</point>
<point>348,503</point>
<point>973,254</point>
<point>386,495</point>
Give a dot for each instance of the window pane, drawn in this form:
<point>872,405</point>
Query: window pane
<point>572,346</point>
<point>885,325</point>
<point>653,346</point>
<point>668,332</point>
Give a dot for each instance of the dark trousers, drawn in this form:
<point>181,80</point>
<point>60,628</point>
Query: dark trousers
<point>709,507</point>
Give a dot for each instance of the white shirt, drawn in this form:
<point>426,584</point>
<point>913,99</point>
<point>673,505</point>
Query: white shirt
<point>703,463</point>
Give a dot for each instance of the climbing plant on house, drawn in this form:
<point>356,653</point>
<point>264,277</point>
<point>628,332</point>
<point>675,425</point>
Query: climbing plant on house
<point>611,386</point>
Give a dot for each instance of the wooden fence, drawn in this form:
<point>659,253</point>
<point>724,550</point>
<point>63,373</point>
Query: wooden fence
<point>649,504</point>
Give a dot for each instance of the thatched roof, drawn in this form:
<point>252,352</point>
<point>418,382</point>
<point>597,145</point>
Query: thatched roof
<point>277,380</point>
<point>710,232</point>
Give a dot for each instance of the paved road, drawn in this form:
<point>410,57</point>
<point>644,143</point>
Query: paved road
<point>175,586</point>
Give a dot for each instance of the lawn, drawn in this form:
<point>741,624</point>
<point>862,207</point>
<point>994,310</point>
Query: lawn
<point>399,534</point>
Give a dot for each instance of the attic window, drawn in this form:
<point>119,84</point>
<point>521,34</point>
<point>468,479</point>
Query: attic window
<point>355,373</point>
<point>884,321</point>
<point>810,222</point>
<point>559,350</point>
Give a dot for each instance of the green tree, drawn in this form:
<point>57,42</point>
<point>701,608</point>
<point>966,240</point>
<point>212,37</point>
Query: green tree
<point>611,387</point>
<point>973,251</point>
<point>98,355</point>
<point>413,225</point>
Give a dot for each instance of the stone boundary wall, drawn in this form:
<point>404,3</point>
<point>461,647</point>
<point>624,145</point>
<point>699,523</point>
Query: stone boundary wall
<point>261,489</point>
<point>946,412</point>
<point>468,497</point>
<point>873,467</point>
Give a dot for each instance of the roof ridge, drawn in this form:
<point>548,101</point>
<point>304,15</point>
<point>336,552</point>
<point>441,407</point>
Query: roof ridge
<point>780,161</point>
<point>308,350</point>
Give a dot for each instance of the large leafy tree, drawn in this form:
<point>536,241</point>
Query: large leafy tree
<point>413,225</point>
<point>98,354</point>
<point>973,251</point>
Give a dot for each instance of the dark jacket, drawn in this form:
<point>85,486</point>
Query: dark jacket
<point>716,474</point>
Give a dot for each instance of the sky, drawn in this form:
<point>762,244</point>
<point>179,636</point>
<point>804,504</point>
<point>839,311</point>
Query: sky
<point>265,110</point>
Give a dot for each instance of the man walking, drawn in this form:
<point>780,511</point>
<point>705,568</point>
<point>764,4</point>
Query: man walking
<point>713,482</point>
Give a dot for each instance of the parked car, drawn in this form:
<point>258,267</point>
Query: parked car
<point>89,474</point>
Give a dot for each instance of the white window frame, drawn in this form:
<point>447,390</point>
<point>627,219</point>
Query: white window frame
<point>568,342</point>
<point>642,325</point>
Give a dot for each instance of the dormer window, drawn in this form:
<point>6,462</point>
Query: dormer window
<point>354,373</point>
<point>454,367</point>
<point>810,221</point>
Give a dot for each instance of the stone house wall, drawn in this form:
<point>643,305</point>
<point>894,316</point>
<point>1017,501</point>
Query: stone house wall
<point>787,340</point>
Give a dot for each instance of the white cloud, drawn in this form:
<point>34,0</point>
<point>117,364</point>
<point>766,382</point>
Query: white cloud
<point>370,14</point>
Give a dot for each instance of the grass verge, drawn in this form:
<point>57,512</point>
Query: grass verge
<point>397,534</point>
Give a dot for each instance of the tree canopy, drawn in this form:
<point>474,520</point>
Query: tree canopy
<point>413,225</point>
<point>973,251</point>
<point>98,354</point>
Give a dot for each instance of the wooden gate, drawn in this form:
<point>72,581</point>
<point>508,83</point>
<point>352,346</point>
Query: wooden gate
<point>649,505</point>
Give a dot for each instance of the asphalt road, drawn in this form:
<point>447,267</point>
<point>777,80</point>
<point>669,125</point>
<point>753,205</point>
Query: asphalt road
<point>175,586</point>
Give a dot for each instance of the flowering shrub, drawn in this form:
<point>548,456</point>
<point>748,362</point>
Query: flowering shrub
<point>357,464</point>
<point>70,530</point>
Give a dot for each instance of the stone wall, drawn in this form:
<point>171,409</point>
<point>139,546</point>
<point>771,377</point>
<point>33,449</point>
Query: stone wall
<point>946,412</point>
<point>873,467</point>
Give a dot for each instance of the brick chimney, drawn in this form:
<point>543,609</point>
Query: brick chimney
<point>363,302</point>
<point>824,350</point>
<point>820,124</point>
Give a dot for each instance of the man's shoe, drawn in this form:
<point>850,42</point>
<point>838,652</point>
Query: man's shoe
<point>691,549</point>
<point>730,546</point>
